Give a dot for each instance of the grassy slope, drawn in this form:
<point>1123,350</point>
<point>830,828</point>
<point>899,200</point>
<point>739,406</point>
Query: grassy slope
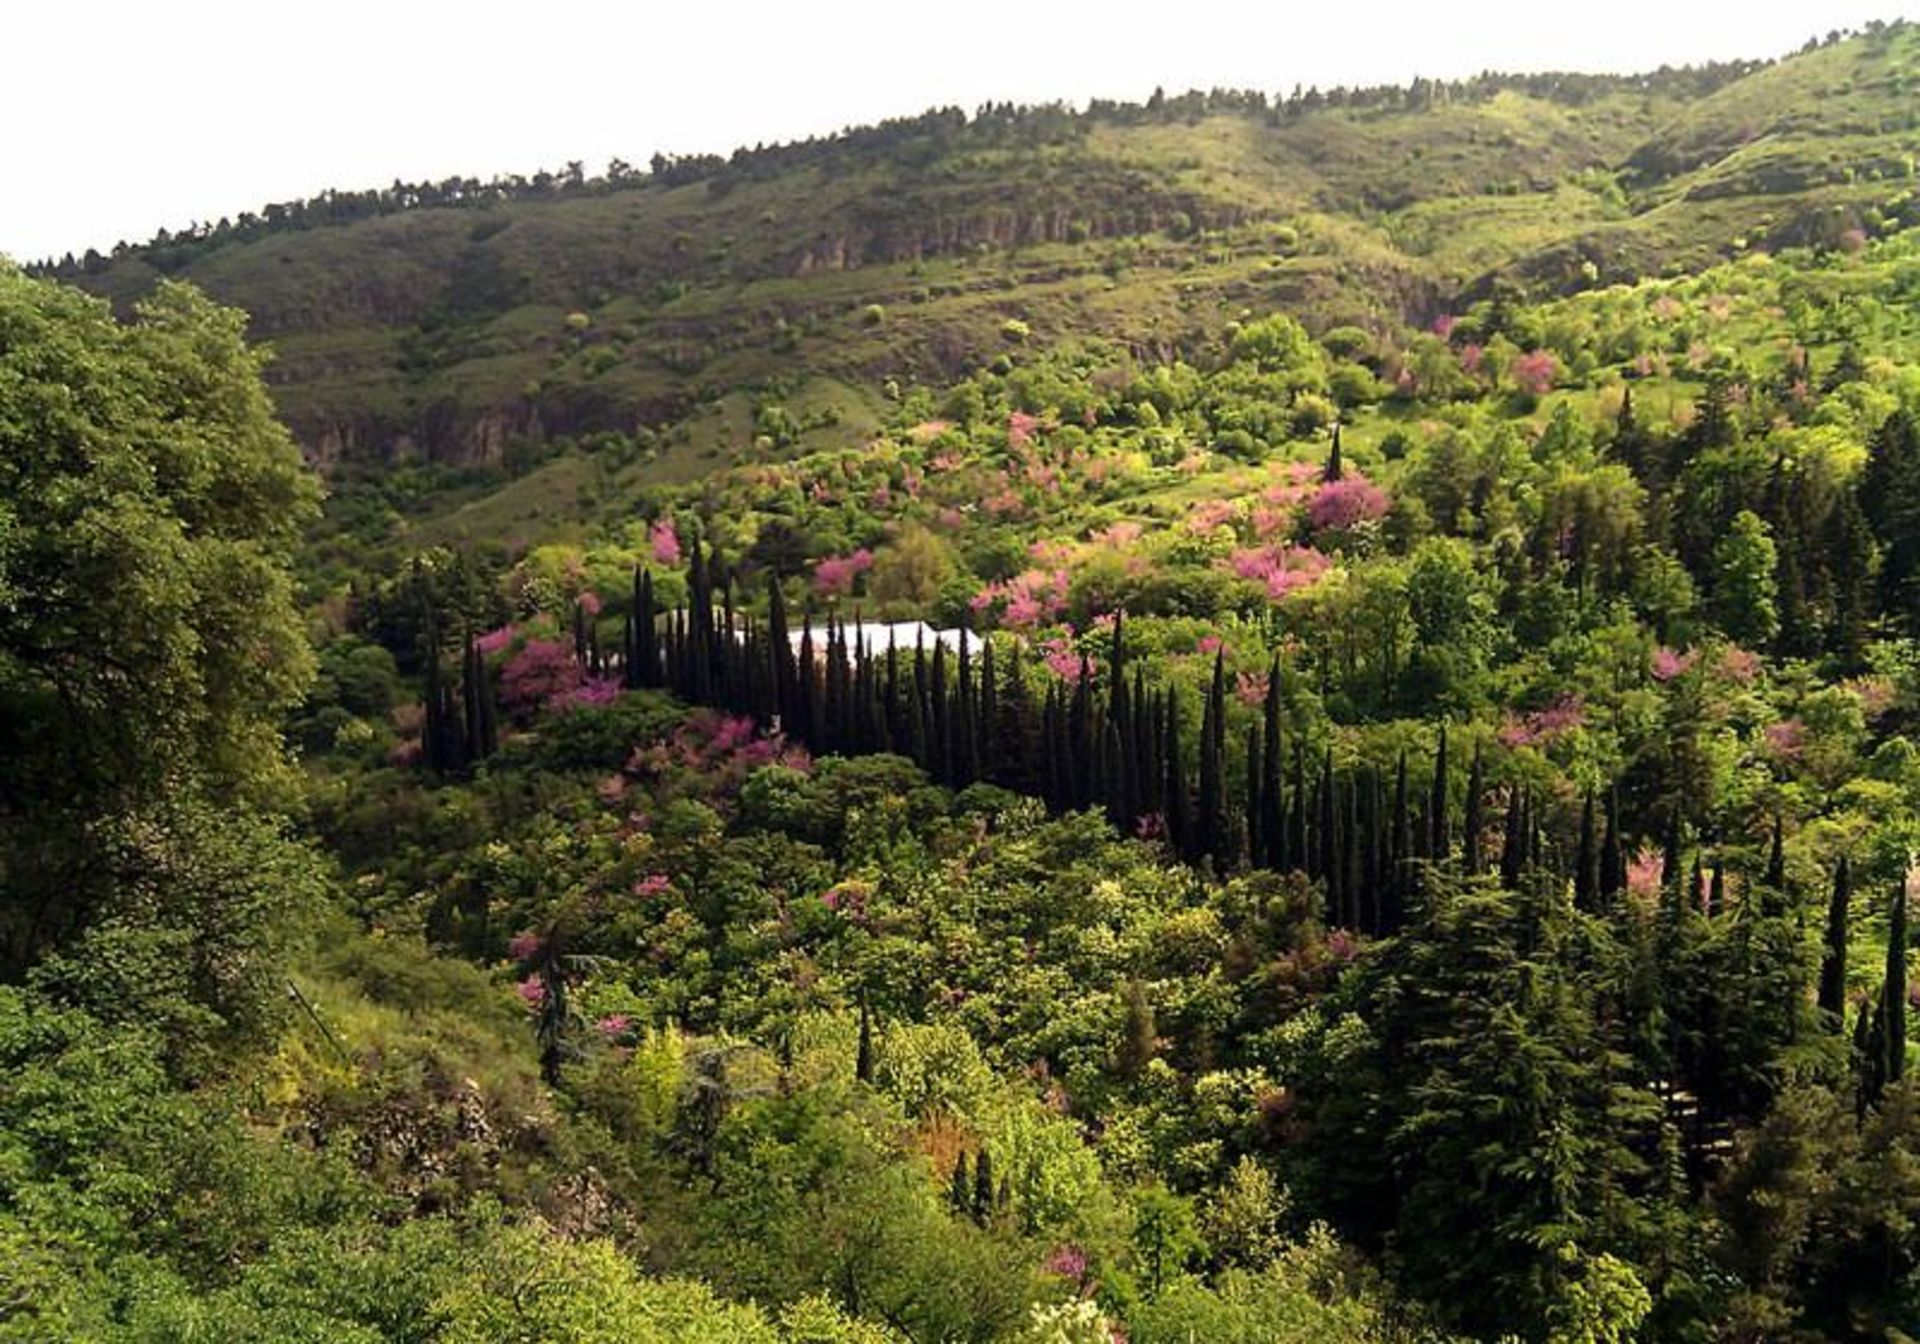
<point>451,334</point>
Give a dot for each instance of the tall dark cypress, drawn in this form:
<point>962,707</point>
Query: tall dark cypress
<point>1394,889</point>
<point>1613,857</point>
<point>940,723</point>
<point>1272,798</point>
<point>1833,962</point>
<point>1210,819</point>
<point>1334,469</point>
<point>1372,868</point>
<point>987,731</point>
<point>966,741</point>
<point>1773,899</point>
<point>1513,851</point>
<point>786,680</point>
<point>1439,838</point>
<point>1325,842</point>
<point>1080,736</point>
<point>1586,864</point>
<point>1117,703</point>
<point>806,680</point>
<point>1298,858</point>
<point>1256,807</point>
<point>1893,991</point>
<point>1179,817</point>
<point>1475,824</point>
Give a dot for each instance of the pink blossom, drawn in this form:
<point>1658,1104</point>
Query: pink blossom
<point>1739,665</point>
<point>1472,357</point>
<point>664,540</point>
<point>1668,664</point>
<point>593,692</point>
<point>495,640</point>
<point>1543,725</point>
<point>1875,693</point>
<point>614,1024</point>
<point>945,462</point>
<point>1645,871</point>
<point>532,991</point>
<point>524,946</point>
<point>1786,739</point>
<point>834,576</point>
<point>1210,644</point>
<point>1067,1262</point>
<point>1282,569</point>
<point>1346,503</point>
<point>1250,688</point>
<point>1063,660</point>
<point>1534,372</point>
<point>1443,325</point>
<point>1212,514</point>
<point>1020,428</point>
<point>1150,826</point>
<point>588,602</point>
<point>1341,945</point>
<point>542,673</point>
<point>1120,534</point>
<point>881,496</point>
<point>653,884</point>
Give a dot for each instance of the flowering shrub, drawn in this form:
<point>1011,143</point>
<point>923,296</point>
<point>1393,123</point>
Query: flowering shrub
<point>1341,505</point>
<point>1280,569</point>
<point>834,576</point>
<point>1534,372</point>
<point>543,674</point>
<point>1543,725</point>
<point>1031,599</point>
<point>664,541</point>
<point>1668,664</point>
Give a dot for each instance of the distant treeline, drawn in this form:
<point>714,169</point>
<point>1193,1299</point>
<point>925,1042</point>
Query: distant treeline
<point>906,142</point>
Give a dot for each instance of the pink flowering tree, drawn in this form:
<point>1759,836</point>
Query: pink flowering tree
<point>541,674</point>
<point>1534,373</point>
<point>663,539</point>
<point>1345,504</point>
<point>835,575</point>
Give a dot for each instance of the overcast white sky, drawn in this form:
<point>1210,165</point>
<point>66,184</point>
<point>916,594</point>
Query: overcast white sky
<point>119,118</point>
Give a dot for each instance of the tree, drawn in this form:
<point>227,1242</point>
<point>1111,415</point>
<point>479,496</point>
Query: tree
<point>149,643</point>
<point>1744,584</point>
<point>1833,964</point>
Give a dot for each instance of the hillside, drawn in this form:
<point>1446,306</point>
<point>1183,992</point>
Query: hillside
<point>1398,825</point>
<point>451,333</point>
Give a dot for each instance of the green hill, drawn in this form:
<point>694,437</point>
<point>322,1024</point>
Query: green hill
<point>448,324</point>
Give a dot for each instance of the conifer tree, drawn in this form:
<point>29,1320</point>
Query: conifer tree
<point>1893,992</point>
<point>1833,963</point>
<point>1586,864</point>
<point>983,1188</point>
<point>1210,816</point>
<point>1475,821</point>
<point>1272,799</point>
<point>1439,841</point>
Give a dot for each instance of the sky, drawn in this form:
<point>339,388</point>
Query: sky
<point>122,118</point>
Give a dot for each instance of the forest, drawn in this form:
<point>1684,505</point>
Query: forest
<point>1395,829</point>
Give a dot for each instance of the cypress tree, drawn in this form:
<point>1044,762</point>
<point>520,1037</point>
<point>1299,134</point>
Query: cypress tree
<point>1298,859</point>
<point>1334,469</point>
<point>646,633</point>
<point>1513,850</point>
<point>1323,843</point>
<point>987,731</point>
<point>1475,816</point>
<point>966,740</point>
<point>1833,962</point>
<point>806,684</point>
<point>1080,736</point>
<point>1893,1000</point>
<point>1717,888</point>
<point>983,1188</point>
<point>1179,824</point>
<point>780,651</point>
<point>863,1055</point>
<point>1586,864</point>
<point>1273,802</point>
<point>1439,841</point>
<point>1613,858</point>
<point>960,1187</point>
<point>1773,901</point>
<point>1256,806</point>
<point>940,723</point>
<point>1212,805</point>
<point>1399,854</point>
